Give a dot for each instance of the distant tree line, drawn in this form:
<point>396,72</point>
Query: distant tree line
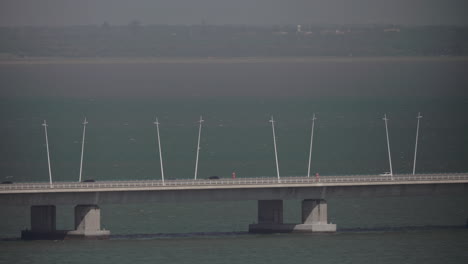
<point>136,40</point>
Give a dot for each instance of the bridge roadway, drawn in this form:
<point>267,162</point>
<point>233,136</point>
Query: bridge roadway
<point>102,192</point>
<point>289,181</point>
<point>270,193</point>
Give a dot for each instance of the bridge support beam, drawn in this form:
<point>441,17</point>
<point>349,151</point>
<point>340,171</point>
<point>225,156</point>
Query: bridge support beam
<point>315,217</point>
<point>270,218</point>
<point>43,218</point>
<point>43,225</point>
<point>270,211</point>
<point>88,222</point>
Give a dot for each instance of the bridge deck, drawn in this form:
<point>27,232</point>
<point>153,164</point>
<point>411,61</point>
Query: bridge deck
<point>239,183</point>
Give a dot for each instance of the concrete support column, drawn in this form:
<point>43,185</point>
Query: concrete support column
<point>43,218</point>
<point>43,225</point>
<point>270,211</point>
<point>88,222</point>
<point>315,217</point>
<point>314,211</point>
<point>87,218</point>
<point>270,218</point>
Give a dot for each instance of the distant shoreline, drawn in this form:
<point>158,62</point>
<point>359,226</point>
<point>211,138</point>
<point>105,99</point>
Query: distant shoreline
<point>227,60</point>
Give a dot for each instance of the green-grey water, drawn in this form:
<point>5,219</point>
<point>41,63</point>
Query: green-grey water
<point>236,100</point>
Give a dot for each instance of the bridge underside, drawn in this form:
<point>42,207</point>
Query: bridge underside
<point>270,204</point>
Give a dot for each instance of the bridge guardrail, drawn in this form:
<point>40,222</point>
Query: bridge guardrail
<point>239,181</point>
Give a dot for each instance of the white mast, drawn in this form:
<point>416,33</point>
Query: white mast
<point>416,144</point>
<point>160,153</point>
<point>48,156</point>
<point>311,141</point>
<point>388,145</point>
<point>82,147</point>
<point>198,146</point>
<point>274,143</point>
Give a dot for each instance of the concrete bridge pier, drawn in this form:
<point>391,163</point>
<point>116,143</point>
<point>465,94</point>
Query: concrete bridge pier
<point>43,223</point>
<point>315,217</point>
<point>270,218</point>
<point>88,222</point>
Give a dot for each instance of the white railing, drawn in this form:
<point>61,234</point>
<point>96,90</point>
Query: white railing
<point>364,179</point>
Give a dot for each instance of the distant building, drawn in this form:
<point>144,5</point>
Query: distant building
<point>332,32</point>
<point>393,29</point>
<point>280,33</point>
<point>339,32</point>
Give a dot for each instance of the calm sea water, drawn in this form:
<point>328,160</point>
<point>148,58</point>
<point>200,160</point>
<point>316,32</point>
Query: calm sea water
<point>236,99</point>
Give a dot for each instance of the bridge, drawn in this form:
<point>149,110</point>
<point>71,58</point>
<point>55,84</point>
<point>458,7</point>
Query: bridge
<point>269,192</point>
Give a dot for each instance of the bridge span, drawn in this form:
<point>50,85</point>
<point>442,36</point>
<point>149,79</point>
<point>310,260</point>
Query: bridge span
<point>269,192</point>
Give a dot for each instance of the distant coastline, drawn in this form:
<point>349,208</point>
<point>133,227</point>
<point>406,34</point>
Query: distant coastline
<point>206,60</point>
<point>138,41</point>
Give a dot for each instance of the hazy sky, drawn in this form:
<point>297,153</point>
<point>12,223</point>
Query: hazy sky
<point>265,12</point>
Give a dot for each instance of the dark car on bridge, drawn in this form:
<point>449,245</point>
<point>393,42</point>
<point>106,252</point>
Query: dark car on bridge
<point>213,178</point>
<point>89,180</point>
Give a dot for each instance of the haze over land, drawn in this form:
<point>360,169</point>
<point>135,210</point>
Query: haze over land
<point>137,40</point>
<point>220,12</point>
<point>221,28</point>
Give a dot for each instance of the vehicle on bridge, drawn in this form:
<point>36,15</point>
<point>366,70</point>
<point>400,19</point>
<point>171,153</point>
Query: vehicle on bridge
<point>385,174</point>
<point>89,180</point>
